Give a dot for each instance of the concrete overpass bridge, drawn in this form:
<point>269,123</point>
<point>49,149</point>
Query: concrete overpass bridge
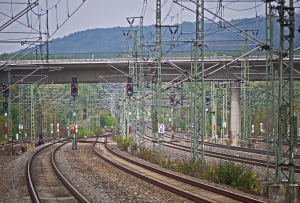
<point>115,70</point>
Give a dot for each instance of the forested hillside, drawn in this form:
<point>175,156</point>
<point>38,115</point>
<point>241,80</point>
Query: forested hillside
<point>116,39</point>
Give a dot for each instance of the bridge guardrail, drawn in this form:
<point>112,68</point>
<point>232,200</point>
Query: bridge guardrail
<point>118,57</point>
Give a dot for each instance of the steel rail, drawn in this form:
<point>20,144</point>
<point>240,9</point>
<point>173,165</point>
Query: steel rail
<point>150,180</point>
<point>217,155</point>
<point>33,195</point>
<point>185,180</point>
<point>66,183</point>
<point>31,189</point>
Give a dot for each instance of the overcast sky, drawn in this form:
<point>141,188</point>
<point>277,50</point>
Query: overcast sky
<point>109,13</point>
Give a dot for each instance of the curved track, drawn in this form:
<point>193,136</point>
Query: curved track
<point>184,187</point>
<point>211,144</point>
<point>246,160</point>
<point>45,182</point>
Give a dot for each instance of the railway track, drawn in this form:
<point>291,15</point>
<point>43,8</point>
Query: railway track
<point>238,149</point>
<point>45,183</point>
<point>18,142</point>
<point>246,160</point>
<point>184,187</point>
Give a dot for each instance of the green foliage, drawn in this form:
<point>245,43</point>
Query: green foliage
<point>81,132</point>
<point>123,142</point>
<point>155,120</point>
<point>238,176</point>
<point>107,120</point>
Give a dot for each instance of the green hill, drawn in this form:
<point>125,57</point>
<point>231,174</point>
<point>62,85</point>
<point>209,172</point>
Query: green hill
<point>113,39</point>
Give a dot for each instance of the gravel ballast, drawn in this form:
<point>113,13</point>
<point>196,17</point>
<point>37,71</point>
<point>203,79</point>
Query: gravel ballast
<point>13,181</point>
<point>98,181</point>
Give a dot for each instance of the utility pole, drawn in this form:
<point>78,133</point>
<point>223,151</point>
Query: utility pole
<point>88,110</point>
<point>21,113</point>
<point>10,135</point>
<point>32,133</point>
<point>40,118</point>
<point>74,93</point>
<point>245,93</point>
<point>157,105</point>
<point>6,105</point>
<point>224,111</point>
<point>213,113</point>
<point>134,103</point>
<point>198,90</point>
<point>142,89</point>
<point>271,100</point>
<point>284,156</point>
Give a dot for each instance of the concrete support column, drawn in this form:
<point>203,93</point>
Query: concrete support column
<point>235,112</point>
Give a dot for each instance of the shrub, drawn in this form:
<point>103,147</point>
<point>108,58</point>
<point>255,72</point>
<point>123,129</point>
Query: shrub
<point>122,142</point>
<point>190,167</point>
<point>237,176</point>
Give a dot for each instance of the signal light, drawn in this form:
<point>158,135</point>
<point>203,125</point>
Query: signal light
<point>5,105</point>
<point>5,89</point>
<point>74,89</point>
<point>172,98</point>
<point>207,99</point>
<point>129,87</point>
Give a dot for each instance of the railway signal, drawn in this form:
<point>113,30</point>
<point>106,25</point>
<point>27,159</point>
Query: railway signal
<point>74,93</point>
<point>5,91</point>
<point>74,87</point>
<point>207,99</point>
<point>129,87</point>
<point>5,105</point>
<point>172,98</point>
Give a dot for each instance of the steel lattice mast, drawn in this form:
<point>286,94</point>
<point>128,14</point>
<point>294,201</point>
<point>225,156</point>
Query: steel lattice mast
<point>198,90</point>
<point>141,89</point>
<point>9,110</point>
<point>245,93</point>
<point>157,97</point>
<point>284,157</point>
<point>271,100</point>
<point>134,73</point>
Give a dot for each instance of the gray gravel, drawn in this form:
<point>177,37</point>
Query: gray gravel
<point>260,171</point>
<point>100,182</point>
<point>12,179</point>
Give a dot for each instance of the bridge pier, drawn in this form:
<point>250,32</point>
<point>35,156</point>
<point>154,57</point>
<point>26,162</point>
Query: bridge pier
<point>235,112</point>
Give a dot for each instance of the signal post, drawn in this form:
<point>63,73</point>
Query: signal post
<point>5,93</point>
<point>74,93</point>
